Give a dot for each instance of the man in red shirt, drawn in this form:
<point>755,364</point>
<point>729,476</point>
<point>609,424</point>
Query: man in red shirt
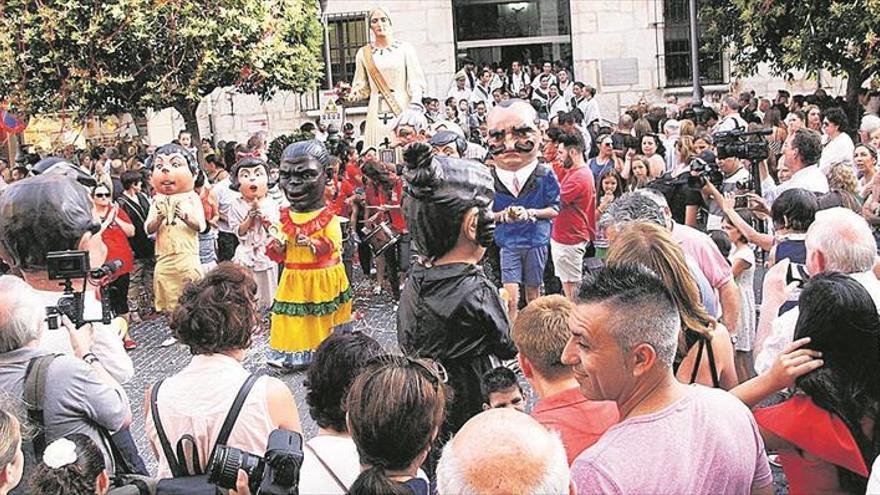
<point>575,226</point>
<point>384,192</point>
<point>540,334</point>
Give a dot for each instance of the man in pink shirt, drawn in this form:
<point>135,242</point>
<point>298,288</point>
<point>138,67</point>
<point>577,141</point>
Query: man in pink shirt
<point>672,437</point>
<point>540,334</point>
<point>575,226</point>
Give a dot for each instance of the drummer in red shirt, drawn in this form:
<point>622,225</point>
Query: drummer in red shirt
<point>116,228</point>
<point>384,193</point>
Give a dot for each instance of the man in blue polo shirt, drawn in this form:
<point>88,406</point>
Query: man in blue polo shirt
<point>526,199</point>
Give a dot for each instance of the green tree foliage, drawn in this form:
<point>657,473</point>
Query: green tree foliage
<point>840,36</point>
<point>89,57</point>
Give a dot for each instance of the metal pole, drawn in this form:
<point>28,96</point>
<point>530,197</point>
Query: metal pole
<point>695,51</point>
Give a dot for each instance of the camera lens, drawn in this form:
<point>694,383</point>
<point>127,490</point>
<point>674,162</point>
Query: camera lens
<point>226,462</point>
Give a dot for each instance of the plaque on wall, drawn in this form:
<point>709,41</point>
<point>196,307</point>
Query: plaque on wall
<point>620,71</point>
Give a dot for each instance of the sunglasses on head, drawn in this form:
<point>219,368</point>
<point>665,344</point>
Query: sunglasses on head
<point>430,369</point>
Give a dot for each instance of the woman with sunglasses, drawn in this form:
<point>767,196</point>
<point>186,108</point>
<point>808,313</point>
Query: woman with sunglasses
<point>396,407</point>
<point>605,161</point>
<point>116,228</point>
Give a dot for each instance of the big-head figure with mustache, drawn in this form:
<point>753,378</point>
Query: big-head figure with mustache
<point>526,199</point>
<point>176,217</point>
<point>314,294</point>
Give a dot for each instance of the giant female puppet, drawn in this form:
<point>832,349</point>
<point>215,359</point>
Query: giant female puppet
<point>176,217</point>
<point>314,293</point>
<point>251,216</point>
<point>388,73</point>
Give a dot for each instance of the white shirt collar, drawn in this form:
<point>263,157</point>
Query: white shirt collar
<point>522,175</point>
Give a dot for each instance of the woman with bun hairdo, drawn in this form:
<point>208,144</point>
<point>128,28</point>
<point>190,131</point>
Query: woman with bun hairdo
<point>71,465</point>
<point>449,311</point>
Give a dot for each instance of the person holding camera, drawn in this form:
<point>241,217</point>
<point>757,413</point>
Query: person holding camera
<point>216,319</point>
<point>735,179</point>
<point>51,213</point>
<point>79,395</point>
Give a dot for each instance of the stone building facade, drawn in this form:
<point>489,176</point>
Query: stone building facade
<point>627,49</point>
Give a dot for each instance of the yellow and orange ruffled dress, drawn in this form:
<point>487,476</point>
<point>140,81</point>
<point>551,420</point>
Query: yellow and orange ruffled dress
<point>314,294</point>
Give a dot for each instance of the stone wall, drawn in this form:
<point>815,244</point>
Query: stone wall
<point>617,47</point>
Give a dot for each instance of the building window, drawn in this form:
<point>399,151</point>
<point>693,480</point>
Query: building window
<point>677,46</point>
<point>346,33</point>
<point>530,32</point>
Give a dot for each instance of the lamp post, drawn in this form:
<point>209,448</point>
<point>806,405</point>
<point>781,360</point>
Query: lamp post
<point>695,53</point>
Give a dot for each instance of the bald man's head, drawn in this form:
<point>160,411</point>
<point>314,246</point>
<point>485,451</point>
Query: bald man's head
<point>530,460</point>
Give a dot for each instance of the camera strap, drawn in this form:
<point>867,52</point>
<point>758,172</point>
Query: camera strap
<point>327,468</point>
<point>34,394</point>
<point>174,464</point>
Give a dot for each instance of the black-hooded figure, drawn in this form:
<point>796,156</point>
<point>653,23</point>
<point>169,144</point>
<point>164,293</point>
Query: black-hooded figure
<point>176,217</point>
<point>449,311</point>
<point>314,294</point>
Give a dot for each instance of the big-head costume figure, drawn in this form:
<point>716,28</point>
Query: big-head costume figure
<point>251,217</point>
<point>449,311</point>
<point>526,199</point>
<point>176,217</point>
<point>314,293</point>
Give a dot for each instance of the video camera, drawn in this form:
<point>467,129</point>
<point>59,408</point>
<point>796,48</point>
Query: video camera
<point>743,144</point>
<point>276,473</point>
<point>70,265</point>
<point>703,171</point>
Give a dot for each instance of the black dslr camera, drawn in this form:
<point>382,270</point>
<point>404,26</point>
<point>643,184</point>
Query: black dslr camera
<point>744,145</point>
<point>276,473</point>
<point>703,171</point>
<point>70,265</point>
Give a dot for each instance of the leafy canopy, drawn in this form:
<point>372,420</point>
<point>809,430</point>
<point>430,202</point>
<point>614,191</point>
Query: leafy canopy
<point>840,36</point>
<point>108,56</point>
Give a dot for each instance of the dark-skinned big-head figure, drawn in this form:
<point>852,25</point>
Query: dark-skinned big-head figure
<point>314,294</point>
<point>176,217</point>
<point>449,311</point>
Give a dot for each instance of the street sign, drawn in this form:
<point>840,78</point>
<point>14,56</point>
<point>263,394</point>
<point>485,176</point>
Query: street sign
<point>331,111</point>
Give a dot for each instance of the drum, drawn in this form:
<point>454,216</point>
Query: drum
<point>381,238</point>
<point>344,225</point>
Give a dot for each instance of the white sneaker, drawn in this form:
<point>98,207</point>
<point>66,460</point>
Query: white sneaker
<point>170,341</point>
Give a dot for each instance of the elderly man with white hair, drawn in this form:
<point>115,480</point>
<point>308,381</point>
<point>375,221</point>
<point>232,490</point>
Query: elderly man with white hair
<point>80,396</point>
<point>485,457</point>
<point>870,124</point>
<point>839,240</point>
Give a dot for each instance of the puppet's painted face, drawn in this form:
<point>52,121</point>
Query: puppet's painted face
<point>171,174</point>
<point>513,138</point>
<point>253,182</point>
<point>303,180</point>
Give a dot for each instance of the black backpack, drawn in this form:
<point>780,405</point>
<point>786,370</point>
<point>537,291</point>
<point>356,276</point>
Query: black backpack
<point>191,479</point>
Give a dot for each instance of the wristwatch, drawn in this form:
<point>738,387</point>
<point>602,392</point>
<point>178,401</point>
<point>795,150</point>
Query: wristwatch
<point>90,358</point>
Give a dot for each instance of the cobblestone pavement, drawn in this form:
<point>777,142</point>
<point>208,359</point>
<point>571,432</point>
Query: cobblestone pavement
<point>377,314</point>
<point>153,362</point>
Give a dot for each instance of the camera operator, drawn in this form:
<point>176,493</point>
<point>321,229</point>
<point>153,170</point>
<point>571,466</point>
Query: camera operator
<point>79,395</point>
<point>731,119</point>
<point>50,213</point>
<point>736,179</point>
<point>802,151</point>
